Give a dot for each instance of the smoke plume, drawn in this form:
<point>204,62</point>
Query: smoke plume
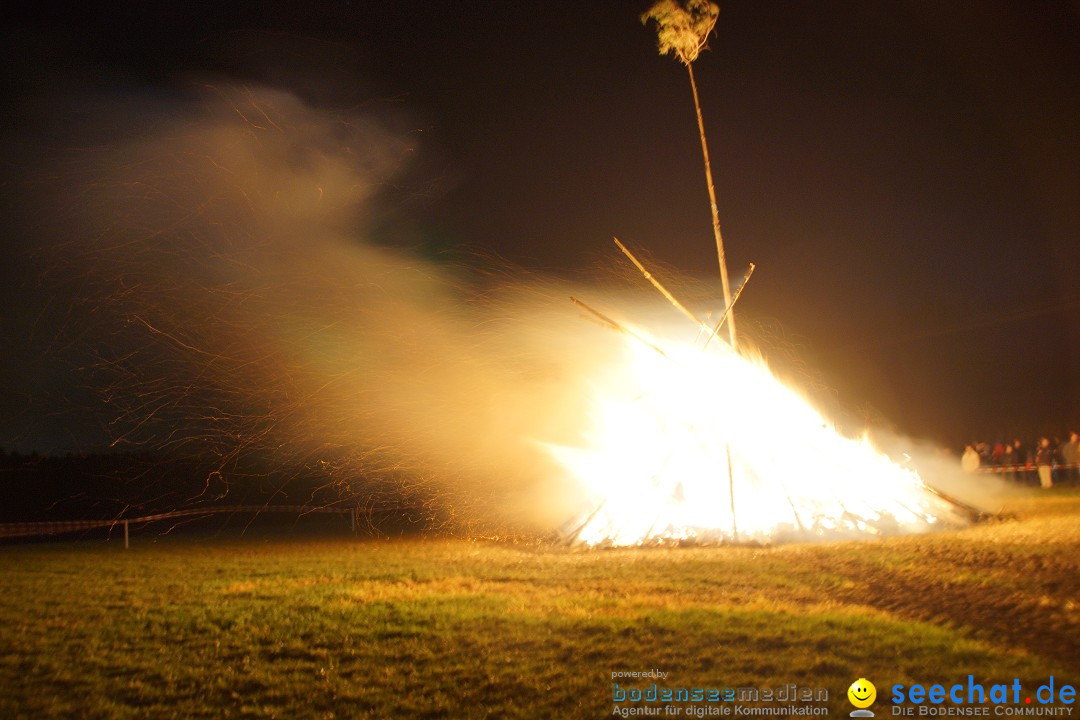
<point>225,279</point>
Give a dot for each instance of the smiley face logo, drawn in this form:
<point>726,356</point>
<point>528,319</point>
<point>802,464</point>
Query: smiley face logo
<point>862,693</point>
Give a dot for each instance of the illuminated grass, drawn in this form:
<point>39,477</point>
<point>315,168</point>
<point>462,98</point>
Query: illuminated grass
<point>456,629</point>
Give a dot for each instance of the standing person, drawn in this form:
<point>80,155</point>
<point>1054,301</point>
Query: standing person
<point>1070,455</point>
<point>1020,457</point>
<point>1008,459</point>
<point>999,450</point>
<point>970,459</point>
<point>1044,460</point>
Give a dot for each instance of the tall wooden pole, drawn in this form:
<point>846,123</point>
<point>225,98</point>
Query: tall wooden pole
<point>731,492</point>
<point>725,284</point>
<point>715,212</point>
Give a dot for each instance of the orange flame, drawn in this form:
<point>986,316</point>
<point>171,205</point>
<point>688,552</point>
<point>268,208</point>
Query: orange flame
<point>665,425</point>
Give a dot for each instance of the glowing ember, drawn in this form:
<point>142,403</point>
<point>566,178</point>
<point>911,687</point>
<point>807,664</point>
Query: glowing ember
<point>654,467</point>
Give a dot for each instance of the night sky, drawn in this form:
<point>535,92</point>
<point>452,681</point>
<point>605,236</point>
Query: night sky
<point>905,175</point>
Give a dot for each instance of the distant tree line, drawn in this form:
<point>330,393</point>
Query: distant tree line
<point>35,487</point>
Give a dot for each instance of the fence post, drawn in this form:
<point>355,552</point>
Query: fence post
<point>126,545</point>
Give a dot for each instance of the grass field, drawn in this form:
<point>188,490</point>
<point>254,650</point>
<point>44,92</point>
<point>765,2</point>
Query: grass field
<point>447,628</point>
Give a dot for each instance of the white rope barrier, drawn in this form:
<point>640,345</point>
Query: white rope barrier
<point>56,527</point>
<point>1031,467</point>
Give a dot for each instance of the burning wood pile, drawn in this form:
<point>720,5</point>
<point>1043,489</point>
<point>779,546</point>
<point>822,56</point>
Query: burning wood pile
<point>690,440</point>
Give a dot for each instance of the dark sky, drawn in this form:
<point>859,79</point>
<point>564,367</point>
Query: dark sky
<point>905,175</point>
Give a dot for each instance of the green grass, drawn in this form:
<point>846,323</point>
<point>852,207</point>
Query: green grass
<point>449,628</point>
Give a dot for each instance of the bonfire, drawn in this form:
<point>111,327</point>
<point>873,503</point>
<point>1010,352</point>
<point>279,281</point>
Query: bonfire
<point>692,439</point>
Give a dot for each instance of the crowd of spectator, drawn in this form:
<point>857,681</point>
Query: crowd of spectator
<point>1051,459</point>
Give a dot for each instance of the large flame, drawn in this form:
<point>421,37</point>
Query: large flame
<point>687,443</point>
